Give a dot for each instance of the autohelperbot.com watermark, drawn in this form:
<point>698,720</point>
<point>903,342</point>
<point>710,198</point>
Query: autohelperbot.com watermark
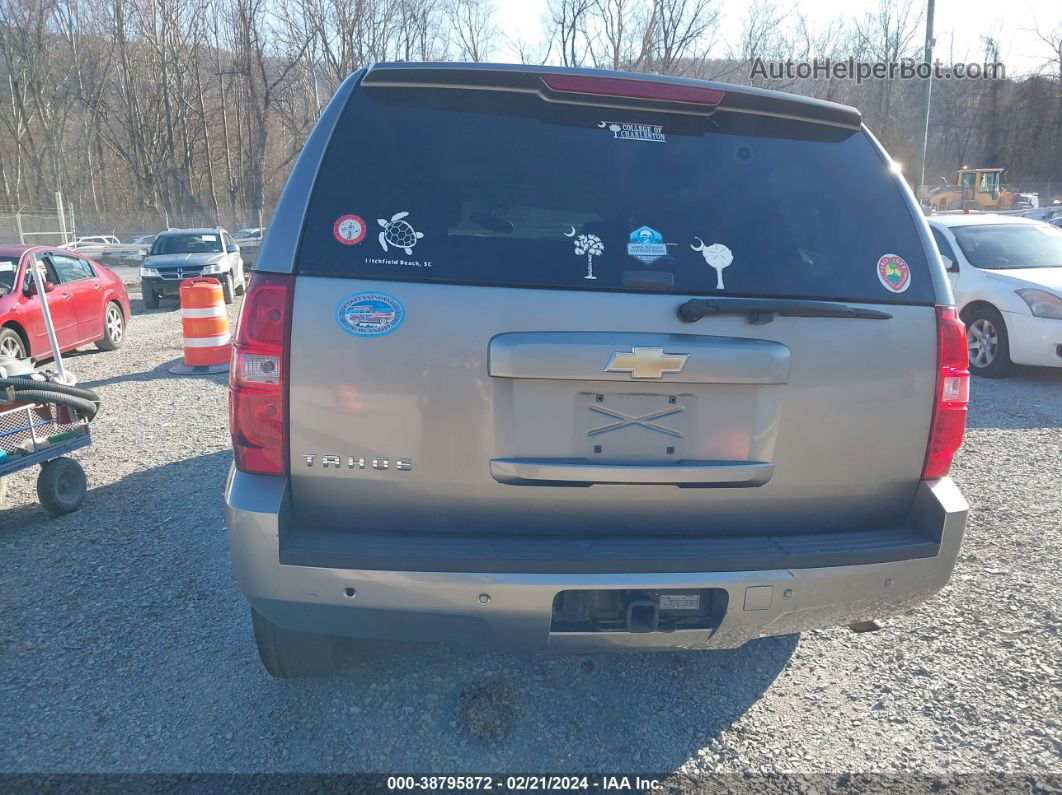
<point>851,69</point>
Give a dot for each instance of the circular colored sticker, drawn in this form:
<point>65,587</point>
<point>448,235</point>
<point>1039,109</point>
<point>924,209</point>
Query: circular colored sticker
<point>349,229</point>
<point>370,314</point>
<point>894,273</point>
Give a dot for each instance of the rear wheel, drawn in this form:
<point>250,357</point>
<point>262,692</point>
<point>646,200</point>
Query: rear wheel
<point>113,328</point>
<point>988,343</point>
<point>11,344</point>
<point>288,654</point>
<point>61,486</point>
<point>151,299</point>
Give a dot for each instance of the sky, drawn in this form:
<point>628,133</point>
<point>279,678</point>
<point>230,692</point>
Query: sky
<point>959,24</point>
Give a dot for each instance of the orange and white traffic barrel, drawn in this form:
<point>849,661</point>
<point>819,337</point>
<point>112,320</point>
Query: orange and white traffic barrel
<point>205,323</point>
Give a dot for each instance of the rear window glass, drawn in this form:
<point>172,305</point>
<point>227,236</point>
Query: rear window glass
<point>502,188</point>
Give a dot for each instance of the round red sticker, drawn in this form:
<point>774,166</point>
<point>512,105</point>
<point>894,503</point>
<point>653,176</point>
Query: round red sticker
<point>349,229</point>
<point>894,273</point>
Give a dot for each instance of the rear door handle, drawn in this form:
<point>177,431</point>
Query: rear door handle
<point>581,472</point>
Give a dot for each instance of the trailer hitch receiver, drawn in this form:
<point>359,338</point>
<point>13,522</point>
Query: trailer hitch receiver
<point>643,615</point>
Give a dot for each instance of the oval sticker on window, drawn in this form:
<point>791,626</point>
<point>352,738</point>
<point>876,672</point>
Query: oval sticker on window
<point>894,273</point>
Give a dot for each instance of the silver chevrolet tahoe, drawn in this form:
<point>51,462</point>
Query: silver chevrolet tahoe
<point>585,360</point>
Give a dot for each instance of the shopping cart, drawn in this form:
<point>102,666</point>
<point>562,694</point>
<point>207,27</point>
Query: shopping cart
<point>41,434</point>
<point>43,416</point>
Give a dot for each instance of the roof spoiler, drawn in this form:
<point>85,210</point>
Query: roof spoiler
<point>615,89</point>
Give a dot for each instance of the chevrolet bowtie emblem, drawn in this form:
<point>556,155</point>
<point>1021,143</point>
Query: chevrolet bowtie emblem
<point>646,362</point>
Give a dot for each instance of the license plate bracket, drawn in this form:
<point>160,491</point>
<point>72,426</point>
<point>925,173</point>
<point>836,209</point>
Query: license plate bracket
<point>634,426</point>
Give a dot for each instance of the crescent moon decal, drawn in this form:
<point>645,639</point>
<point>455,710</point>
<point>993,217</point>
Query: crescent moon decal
<point>572,233</point>
<point>601,124</point>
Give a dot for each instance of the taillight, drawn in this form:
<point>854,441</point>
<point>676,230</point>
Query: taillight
<point>258,411</point>
<point>952,396</point>
<point>633,89</point>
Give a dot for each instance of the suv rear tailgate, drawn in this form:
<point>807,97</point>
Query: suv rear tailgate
<point>838,410</point>
<point>485,339</point>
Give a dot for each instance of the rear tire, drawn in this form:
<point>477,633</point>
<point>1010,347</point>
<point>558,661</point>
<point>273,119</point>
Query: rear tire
<point>11,344</point>
<point>113,328</point>
<point>61,486</point>
<point>988,342</point>
<point>226,288</point>
<point>288,654</point>
<point>151,299</point>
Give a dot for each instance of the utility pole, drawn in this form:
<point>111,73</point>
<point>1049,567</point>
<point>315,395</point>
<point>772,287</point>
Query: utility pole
<point>927,93</point>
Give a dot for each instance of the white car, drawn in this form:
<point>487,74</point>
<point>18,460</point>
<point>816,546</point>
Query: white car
<point>251,233</point>
<point>94,246</point>
<point>1006,272</point>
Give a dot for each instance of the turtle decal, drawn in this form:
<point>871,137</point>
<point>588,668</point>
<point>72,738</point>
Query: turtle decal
<point>398,233</point>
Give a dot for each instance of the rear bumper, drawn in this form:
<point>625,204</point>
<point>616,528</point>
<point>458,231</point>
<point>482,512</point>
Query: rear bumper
<point>1035,341</point>
<point>449,606</point>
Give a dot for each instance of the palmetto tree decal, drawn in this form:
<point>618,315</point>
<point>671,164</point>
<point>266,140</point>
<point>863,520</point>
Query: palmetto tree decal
<point>592,246</point>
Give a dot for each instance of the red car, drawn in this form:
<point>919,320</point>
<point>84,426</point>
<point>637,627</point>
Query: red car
<point>88,302</point>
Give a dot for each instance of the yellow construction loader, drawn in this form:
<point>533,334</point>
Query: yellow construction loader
<point>978,189</point>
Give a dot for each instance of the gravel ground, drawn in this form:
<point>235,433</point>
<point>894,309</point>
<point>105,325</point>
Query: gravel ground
<point>124,645</point>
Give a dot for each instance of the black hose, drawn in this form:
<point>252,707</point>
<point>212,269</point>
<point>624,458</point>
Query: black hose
<point>84,407</point>
<point>50,386</point>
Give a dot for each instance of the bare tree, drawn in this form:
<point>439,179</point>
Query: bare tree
<point>887,34</point>
<point>472,28</point>
<point>682,32</point>
<point>147,112</point>
<point>569,20</point>
<point>625,34</point>
<point>762,36</point>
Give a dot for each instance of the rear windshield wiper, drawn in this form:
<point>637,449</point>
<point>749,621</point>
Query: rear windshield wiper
<point>763,310</point>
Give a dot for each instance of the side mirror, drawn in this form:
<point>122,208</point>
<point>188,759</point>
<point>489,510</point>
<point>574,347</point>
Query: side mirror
<point>233,248</point>
<point>31,288</point>
<point>950,264</point>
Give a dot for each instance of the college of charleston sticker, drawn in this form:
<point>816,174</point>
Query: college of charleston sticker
<point>894,273</point>
<point>349,229</point>
<point>370,314</point>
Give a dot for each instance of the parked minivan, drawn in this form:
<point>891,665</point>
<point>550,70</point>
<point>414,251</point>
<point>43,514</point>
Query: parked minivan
<point>583,360</point>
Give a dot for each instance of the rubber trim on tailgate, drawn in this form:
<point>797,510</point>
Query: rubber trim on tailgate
<point>563,555</point>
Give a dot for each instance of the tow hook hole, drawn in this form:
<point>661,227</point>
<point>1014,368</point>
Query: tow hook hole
<point>349,592</point>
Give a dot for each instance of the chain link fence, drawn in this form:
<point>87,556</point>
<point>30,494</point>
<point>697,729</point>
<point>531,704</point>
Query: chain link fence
<point>33,226</point>
<point>57,226</point>
<point>127,226</point>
